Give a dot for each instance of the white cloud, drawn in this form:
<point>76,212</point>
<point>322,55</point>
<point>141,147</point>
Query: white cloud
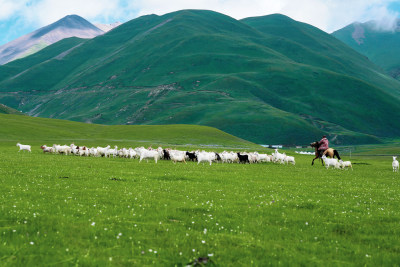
<point>327,15</point>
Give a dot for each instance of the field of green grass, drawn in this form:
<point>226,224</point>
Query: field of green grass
<point>69,210</point>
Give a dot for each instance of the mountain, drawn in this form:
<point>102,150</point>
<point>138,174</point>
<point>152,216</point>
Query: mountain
<point>108,27</point>
<point>68,26</point>
<point>268,79</point>
<point>380,45</point>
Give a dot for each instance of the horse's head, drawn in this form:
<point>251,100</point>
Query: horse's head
<point>314,144</point>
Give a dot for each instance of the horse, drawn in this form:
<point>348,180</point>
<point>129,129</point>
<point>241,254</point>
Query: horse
<point>330,152</point>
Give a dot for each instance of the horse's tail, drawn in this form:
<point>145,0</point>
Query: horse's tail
<point>335,153</point>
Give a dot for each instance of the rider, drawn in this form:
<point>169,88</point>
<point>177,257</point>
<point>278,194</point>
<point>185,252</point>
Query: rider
<point>323,145</point>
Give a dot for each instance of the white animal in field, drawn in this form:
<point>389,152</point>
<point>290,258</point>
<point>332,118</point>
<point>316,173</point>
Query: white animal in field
<point>330,162</point>
<point>290,159</point>
<point>24,147</point>
<point>177,156</point>
<point>148,154</point>
<point>395,164</point>
<point>47,149</point>
<point>102,151</point>
<point>345,164</point>
<point>205,157</point>
<point>62,149</point>
<point>278,157</point>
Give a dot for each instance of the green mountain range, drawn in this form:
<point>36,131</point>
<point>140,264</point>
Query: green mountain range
<point>267,79</point>
<point>380,45</point>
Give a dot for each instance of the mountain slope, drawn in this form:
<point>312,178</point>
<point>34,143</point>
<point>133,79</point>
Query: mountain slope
<point>286,83</point>
<point>381,46</point>
<point>69,26</point>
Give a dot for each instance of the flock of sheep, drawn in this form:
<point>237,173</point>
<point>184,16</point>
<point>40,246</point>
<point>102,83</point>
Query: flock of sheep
<point>183,156</point>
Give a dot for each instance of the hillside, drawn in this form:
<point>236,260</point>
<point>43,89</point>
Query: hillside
<point>69,26</point>
<point>382,47</point>
<point>7,110</point>
<point>267,79</point>
<point>40,130</point>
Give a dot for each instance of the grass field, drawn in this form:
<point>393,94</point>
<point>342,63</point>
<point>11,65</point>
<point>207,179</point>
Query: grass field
<point>68,210</point>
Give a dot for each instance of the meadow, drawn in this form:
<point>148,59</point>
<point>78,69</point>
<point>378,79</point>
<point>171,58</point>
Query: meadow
<point>70,210</point>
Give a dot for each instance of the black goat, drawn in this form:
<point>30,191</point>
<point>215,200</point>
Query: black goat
<point>243,158</point>
<point>192,156</point>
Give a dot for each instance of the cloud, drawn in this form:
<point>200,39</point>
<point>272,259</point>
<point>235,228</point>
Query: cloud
<point>328,15</point>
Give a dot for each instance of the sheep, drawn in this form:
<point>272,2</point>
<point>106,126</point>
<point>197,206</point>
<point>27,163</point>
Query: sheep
<point>24,147</point>
<point>330,162</point>
<point>278,157</point>
<point>243,158</point>
<point>345,164</point>
<point>395,164</point>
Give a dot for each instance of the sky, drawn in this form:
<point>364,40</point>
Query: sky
<point>19,17</point>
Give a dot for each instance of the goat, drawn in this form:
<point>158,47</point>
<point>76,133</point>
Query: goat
<point>191,155</point>
<point>345,164</point>
<point>205,156</point>
<point>330,162</point>
<point>243,158</point>
<point>47,149</point>
<point>24,147</point>
<point>395,164</point>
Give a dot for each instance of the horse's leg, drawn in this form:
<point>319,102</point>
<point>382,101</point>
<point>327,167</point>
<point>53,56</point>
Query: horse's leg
<point>312,163</point>
<point>336,154</point>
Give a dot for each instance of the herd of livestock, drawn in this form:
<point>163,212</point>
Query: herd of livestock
<point>182,156</point>
<point>166,154</point>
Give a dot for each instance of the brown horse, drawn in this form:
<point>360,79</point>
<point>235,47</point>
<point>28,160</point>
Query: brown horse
<point>330,152</point>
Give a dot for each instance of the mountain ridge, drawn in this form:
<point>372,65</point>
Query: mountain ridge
<point>69,26</point>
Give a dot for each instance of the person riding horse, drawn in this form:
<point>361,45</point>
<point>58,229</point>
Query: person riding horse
<point>322,148</point>
<point>323,145</point>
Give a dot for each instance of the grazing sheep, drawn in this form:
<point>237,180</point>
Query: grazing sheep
<point>395,164</point>
<point>148,154</point>
<point>177,156</point>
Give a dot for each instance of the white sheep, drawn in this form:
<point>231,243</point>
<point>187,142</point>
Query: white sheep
<point>205,156</point>
<point>24,147</point>
<point>178,156</point>
<point>395,164</point>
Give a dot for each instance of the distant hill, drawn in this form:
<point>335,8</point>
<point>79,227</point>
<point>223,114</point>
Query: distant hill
<point>268,79</point>
<point>69,26</point>
<point>7,110</point>
<point>21,128</point>
<point>381,46</point>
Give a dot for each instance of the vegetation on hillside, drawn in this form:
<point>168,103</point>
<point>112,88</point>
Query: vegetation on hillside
<point>268,79</point>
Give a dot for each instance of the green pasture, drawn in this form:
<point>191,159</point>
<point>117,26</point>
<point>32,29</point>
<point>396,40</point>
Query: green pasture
<point>68,210</point>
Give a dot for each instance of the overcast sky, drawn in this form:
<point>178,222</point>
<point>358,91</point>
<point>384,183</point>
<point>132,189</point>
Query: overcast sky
<point>19,17</point>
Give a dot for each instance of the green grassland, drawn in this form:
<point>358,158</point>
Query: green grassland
<point>70,210</point>
<point>267,79</point>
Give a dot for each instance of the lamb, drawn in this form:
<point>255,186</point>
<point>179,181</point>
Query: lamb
<point>395,164</point>
<point>330,162</point>
<point>345,164</point>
